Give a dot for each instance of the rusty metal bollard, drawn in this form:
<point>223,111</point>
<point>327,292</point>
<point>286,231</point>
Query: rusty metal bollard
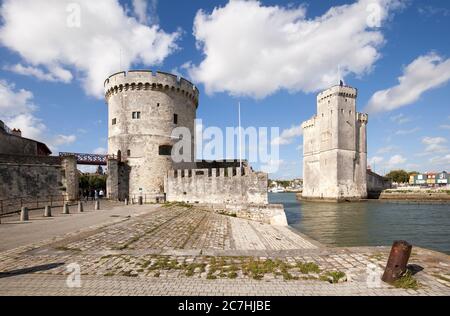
<point>398,259</point>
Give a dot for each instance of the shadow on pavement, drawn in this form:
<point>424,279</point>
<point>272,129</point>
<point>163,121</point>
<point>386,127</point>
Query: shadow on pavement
<point>43,267</point>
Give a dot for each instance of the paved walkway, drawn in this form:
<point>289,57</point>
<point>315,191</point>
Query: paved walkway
<point>178,250</point>
<point>124,286</point>
<point>14,233</point>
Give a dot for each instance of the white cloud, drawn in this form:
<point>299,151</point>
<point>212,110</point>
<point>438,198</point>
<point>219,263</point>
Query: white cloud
<point>407,131</point>
<point>375,160</point>
<point>424,73</point>
<point>31,126</point>
<point>57,74</point>
<point>17,107</point>
<point>40,33</point>
<point>14,102</point>
<point>385,150</point>
<point>445,126</point>
<point>441,162</point>
<point>435,144</point>
<point>288,135</point>
<point>63,140</point>
<point>400,119</point>
<point>396,160</point>
<point>100,151</point>
<point>272,166</point>
<point>145,11</point>
<point>140,10</point>
<point>255,50</point>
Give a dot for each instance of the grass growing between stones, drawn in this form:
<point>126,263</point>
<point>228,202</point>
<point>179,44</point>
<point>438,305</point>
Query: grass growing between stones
<point>406,281</point>
<point>213,268</point>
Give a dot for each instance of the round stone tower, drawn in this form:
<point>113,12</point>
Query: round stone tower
<point>143,109</point>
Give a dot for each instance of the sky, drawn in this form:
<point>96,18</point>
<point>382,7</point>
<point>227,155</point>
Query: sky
<point>271,56</point>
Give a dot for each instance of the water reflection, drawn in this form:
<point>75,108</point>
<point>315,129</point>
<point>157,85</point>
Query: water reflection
<point>369,223</point>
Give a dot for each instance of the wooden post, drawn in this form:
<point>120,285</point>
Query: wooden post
<point>398,259</point>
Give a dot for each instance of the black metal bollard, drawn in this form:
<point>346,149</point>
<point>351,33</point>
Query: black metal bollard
<point>398,259</point>
<point>140,201</point>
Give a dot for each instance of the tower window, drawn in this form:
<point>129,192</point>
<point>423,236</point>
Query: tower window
<point>136,115</point>
<point>157,105</point>
<point>128,153</point>
<point>114,121</point>
<point>175,119</point>
<point>165,150</point>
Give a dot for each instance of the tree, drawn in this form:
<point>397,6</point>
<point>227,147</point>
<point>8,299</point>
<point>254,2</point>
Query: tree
<point>398,176</point>
<point>92,182</point>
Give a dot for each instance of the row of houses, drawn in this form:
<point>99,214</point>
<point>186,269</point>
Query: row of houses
<point>430,179</point>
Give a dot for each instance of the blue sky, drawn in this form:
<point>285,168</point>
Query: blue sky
<point>272,56</point>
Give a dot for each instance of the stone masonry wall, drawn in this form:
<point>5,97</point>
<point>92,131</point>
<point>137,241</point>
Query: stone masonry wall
<point>38,177</point>
<point>29,178</point>
<point>216,186</point>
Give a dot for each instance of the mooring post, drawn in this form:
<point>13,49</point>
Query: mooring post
<point>80,207</point>
<point>48,211</point>
<point>66,208</point>
<point>24,214</point>
<point>398,259</point>
<point>97,205</point>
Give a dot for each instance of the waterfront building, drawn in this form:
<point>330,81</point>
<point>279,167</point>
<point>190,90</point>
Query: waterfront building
<point>430,179</point>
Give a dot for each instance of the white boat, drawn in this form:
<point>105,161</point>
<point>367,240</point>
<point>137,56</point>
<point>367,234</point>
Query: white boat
<point>276,190</point>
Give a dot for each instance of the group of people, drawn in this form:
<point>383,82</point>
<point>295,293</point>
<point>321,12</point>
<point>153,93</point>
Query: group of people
<point>93,194</point>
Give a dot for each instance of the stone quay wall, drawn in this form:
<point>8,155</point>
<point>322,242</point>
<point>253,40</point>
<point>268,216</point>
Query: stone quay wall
<point>217,186</point>
<point>36,177</point>
<point>377,183</point>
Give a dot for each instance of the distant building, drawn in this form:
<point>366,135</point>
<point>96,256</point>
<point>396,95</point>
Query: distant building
<point>430,179</point>
<point>12,143</point>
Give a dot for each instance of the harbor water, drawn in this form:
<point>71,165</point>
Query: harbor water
<point>369,223</point>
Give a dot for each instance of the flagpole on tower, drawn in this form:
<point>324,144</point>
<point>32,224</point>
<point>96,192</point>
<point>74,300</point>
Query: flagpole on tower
<point>240,136</point>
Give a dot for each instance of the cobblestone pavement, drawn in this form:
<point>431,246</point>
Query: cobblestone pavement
<point>180,250</point>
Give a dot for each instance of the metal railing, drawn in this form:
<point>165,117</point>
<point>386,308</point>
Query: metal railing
<point>13,205</point>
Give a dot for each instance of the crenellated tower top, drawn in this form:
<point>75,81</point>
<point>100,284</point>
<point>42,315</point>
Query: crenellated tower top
<point>148,80</point>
